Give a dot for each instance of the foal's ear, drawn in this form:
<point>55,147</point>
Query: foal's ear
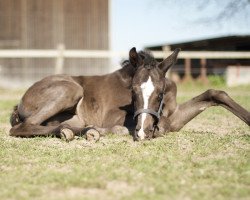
<point>133,57</point>
<point>169,61</point>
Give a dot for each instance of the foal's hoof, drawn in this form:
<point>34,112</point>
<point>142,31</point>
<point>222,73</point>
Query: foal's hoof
<point>92,135</point>
<point>67,134</point>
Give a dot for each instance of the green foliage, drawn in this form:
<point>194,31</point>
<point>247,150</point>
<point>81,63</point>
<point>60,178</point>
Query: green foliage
<point>216,80</point>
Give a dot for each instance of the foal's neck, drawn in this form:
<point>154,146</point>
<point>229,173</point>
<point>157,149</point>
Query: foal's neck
<point>126,75</point>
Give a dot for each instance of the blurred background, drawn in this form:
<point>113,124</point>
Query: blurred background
<point>90,37</point>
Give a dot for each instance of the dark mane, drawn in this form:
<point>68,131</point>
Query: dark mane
<point>125,63</point>
<point>146,56</point>
<point>148,60</point>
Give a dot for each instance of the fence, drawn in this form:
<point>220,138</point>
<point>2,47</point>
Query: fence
<point>60,54</point>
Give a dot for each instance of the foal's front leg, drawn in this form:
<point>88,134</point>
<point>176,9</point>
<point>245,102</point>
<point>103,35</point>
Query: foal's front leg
<point>190,109</point>
<point>117,129</point>
<point>93,133</point>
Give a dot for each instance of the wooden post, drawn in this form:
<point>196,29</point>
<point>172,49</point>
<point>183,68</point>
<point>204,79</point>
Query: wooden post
<point>58,21</point>
<point>24,36</point>
<point>59,59</point>
<point>58,33</point>
<point>187,75</point>
<point>203,71</point>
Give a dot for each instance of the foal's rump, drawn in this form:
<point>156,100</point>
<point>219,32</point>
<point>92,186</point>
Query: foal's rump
<point>46,99</point>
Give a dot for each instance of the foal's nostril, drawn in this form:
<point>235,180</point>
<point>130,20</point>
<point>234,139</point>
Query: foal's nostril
<point>149,133</point>
<point>149,130</point>
<point>136,136</point>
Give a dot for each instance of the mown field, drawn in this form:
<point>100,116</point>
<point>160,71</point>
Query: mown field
<point>208,159</point>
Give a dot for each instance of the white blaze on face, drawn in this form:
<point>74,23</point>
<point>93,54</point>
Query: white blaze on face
<point>147,89</point>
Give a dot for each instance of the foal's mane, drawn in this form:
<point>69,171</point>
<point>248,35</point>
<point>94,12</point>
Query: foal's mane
<point>128,70</point>
<point>146,56</point>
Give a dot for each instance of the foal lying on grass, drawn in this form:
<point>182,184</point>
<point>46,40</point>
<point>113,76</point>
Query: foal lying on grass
<point>136,98</point>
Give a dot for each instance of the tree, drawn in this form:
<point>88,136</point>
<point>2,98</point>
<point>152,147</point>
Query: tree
<point>230,9</point>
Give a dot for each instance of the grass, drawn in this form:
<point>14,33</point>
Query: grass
<point>208,159</point>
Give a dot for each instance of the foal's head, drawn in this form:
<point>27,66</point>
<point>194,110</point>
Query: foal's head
<point>148,89</point>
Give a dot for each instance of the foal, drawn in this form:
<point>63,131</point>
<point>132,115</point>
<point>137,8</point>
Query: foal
<point>155,100</point>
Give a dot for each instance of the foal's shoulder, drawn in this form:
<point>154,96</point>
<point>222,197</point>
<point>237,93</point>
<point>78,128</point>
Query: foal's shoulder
<point>170,85</point>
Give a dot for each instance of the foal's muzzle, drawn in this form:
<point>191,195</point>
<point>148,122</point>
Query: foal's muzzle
<point>148,131</point>
<point>154,114</point>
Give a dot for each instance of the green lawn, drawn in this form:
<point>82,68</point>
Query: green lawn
<point>208,159</point>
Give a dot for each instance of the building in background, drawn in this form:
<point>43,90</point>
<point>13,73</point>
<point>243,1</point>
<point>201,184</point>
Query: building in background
<point>213,66</point>
<point>47,24</point>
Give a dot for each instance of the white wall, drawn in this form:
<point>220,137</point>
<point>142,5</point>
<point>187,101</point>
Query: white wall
<point>237,75</point>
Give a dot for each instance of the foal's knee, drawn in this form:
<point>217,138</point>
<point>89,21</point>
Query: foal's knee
<point>217,95</point>
<point>176,126</point>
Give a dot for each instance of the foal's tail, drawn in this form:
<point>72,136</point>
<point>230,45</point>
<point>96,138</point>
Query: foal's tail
<point>15,118</point>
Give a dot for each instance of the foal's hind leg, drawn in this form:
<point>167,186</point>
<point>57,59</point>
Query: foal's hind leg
<point>190,109</point>
<point>36,109</point>
<point>29,130</point>
<point>56,105</point>
<point>63,130</point>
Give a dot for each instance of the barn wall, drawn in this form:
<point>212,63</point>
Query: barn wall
<point>44,24</point>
